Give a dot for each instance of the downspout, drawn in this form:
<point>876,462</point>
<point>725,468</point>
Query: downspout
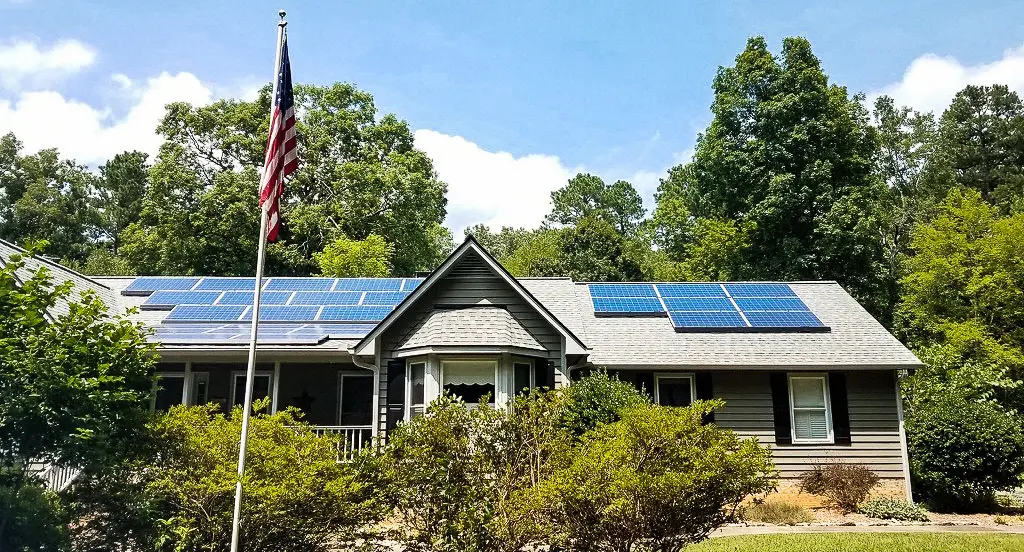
<point>375,420</point>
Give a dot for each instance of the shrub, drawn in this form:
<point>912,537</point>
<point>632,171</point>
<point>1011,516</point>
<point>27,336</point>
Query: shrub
<point>31,517</point>
<point>597,399</point>
<point>776,513</point>
<point>842,485</point>
<point>296,494</point>
<point>657,479</point>
<point>892,508</point>
<point>961,452</point>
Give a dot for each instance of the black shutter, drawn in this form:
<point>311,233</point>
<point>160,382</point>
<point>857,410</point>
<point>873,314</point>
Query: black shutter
<point>705,392</point>
<point>840,407</point>
<point>543,374</point>
<point>645,383</point>
<point>780,408</point>
<point>396,393</point>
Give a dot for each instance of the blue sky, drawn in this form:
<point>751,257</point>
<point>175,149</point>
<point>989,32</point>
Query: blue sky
<point>504,95</point>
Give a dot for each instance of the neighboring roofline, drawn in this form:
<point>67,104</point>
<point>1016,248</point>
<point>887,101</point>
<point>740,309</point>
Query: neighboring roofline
<point>783,367</point>
<point>57,266</point>
<point>469,244</point>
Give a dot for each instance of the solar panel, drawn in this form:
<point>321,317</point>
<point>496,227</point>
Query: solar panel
<point>805,319</point>
<point>327,298</point>
<point>771,304</point>
<point>227,283</point>
<point>355,314</point>
<point>699,304</point>
<point>759,290</point>
<point>706,320</point>
<point>368,284</point>
<point>163,299</point>
<point>410,284</point>
<point>622,290</point>
<point>217,313</point>
<point>281,313</point>
<point>628,305</point>
<point>245,298</point>
<point>148,284</point>
<point>347,330</point>
<point>690,290</point>
<point>384,297</point>
<point>301,284</point>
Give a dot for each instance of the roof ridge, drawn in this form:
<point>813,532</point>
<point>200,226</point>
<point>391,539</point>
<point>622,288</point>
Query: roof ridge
<point>53,264</point>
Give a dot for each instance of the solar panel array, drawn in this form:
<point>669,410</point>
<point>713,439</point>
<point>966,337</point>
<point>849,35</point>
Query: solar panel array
<point>739,306</point>
<point>298,310</point>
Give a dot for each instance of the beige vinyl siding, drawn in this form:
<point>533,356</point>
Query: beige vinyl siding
<point>469,282</point>
<point>874,422</point>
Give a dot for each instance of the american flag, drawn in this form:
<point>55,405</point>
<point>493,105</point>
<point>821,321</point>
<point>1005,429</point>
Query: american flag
<point>282,156</point>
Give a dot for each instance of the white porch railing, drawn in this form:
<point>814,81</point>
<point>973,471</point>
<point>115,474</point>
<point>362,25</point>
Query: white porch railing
<point>351,439</point>
<point>58,478</point>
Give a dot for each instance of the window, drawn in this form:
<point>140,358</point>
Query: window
<point>170,391</point>
<point>809,408</point>
<point>200,388</point>
<point>522,377</point>
<point>261,386</point>
<point>674,389</point>
<point>417,379</point>
<point>356,400</point>
<point>471,380</point>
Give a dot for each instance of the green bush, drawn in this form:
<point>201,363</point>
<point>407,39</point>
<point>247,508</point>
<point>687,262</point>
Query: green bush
<point>961,452</point>
<point>843,485</point>
<point>32,518</point>
<point>657,479</point>
<point>297,496</point>
<point>597,399</point>
<point>776,513</point>
<point>892,508</point>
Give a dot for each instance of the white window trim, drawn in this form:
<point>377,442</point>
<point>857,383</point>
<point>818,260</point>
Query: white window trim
<point>342,374</point>
<point>234,381</point>
<point>675,375</point>
<point>408,386</point>
<point>831,439</point>
<point>156,385</point>
<point>495,399</point>
<point>532,374</point>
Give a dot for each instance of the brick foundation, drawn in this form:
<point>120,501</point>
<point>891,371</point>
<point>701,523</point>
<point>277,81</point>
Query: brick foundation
<point>789,491</point>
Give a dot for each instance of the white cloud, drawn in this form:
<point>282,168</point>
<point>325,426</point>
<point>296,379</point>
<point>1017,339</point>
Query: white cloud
<point>25,64</point>
<point>89,134</point>
<point>931,81</point>
<point>493,188</point>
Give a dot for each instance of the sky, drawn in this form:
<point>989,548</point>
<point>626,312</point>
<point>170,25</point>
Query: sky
<point>510,99</point>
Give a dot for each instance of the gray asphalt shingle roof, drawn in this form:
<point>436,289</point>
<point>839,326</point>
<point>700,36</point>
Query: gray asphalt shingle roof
<point>470,327</point>
<point>59,274</point>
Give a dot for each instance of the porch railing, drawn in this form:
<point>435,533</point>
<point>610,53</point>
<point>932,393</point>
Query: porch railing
<point>351,439</point>
<point>58,478</point>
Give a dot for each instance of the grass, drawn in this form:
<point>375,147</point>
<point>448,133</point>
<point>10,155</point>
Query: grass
<point>865,542</point>
<point>776,513</point>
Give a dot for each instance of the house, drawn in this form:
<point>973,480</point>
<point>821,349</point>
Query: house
<point>800,365</point>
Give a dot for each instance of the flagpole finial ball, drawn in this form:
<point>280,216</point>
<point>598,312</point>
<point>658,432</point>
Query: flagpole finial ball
<point>281,13</point>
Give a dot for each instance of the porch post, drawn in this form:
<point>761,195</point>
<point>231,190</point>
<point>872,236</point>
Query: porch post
<point>186,387</point>
<point>903,440</point>
<point>275,386</point>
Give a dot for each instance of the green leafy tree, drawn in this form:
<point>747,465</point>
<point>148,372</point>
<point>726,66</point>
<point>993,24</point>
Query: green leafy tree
<point>179,497</point>
<point>593,250</point>
<point>538,254</point>
<point>121,188</point>
<point>792,154</point>
<point>981,144</point>
<point>345,258</point>
<point>587,196</point>
<point>595,400</point>
<point>501,244</point>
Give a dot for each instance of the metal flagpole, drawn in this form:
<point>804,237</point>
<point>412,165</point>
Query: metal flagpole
<point>250,371</point>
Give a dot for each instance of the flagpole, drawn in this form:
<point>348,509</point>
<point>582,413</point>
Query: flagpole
<point>250,371</point>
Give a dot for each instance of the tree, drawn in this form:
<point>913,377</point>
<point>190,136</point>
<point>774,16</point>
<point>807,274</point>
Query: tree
<point>502,244</point>
<point>790,153</point>
<point>981,144</point>
<point>345,258</point>
<point>538,254</point>
<point>121,189</point>
<point>587,196</point>
<point>593,250</point>
<point>358,175</point>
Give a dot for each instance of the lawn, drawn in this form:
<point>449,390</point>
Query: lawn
<point>866,542</point>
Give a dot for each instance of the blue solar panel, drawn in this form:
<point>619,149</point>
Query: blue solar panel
<point>280,333</point>
<point>690,290</point>
<point>148,284</point>
<point>368,284</point>
<point>219,313</point>
<point>622,290</point>
<point>281,313</point>
<point>327,298</point>
<point>771,304</point>
<point>706,320</point>
<point>348,330</point>
<point>628,305</point>
<point>355,314</point>
<point>759,290</point>
<point>301,284</point>
<point>245,298</point>
<point>410,284</point>
<point>699,304</point>
<point>167,299</point>
<point>384,297</point>
<point>805,319</point>
<point>227,283</point>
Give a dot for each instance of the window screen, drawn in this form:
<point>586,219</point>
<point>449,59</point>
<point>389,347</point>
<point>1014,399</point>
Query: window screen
<point>675,391</point>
